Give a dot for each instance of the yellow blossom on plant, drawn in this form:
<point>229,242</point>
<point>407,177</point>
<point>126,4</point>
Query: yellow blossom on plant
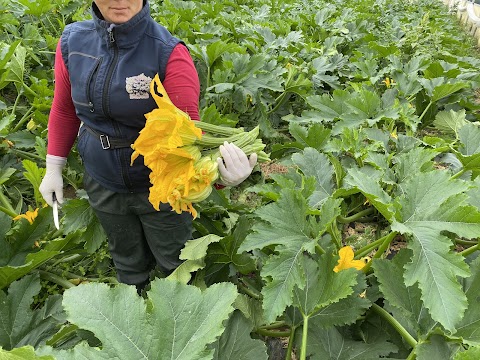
<point>346,260</point>
<point>29,215</point>
<point>174,168</point>
<point>388,82</point>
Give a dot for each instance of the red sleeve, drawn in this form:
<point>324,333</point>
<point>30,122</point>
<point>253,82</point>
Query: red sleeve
<point>63,122</point>
<point>181,81</point>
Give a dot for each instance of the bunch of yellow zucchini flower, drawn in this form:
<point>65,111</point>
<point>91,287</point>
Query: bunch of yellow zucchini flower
<point>182,160</point>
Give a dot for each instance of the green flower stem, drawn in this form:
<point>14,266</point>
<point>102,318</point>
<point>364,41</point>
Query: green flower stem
<point>425,111</point>
<point>30,91</point>
<point>412,355</point>
<point>291,340</point>
<point>23,119</point>
<point>27,155</point>
<point>470,250</point>
<point>303,350</point>
<point>67,259</point>
<point>14,108</point>
<point>368,248</point>
<point>6,207</point>
<point>396,325</point>
<point>465,242</point>
<point>272,333</point>
<point>381,250</point>
<point>45,275</point>
<point>458,174</point>
<point>274,325</point>
<point>278,102</point>
<point>319,249</point>
<point>355,217</point>
<point>8,212</point>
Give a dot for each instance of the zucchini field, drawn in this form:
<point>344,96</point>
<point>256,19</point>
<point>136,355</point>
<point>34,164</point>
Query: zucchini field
<point>359,239</point>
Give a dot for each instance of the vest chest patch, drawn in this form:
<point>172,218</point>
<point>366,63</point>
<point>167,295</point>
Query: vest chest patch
<point>138,87</point>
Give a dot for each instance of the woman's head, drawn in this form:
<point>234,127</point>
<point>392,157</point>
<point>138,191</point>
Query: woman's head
<point>119,11</point>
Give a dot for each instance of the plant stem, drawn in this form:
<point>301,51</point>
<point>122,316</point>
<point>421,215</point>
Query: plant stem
<point>319,249</point>
<point>470,250</point>
<point>425,111</point>
<point>278,102</point>
<point>354,217</point>
<point>272,333</point>
<point>249,292</point>
<point>465,242</point>
<point>396,325</point>
<point>6,205</point>
<point>14,108</point>
<point>386,243</point>
<point>27,155</point>
<point>458,174</point>
<point>303,351</point>
<point>8,212</point>
<point>30,91</point>
<point>291,340</point>
<point>412,355</point>
<point>45,275</point>
<point>23,119</point>
<point>274,325</point>
<point>367,248</point>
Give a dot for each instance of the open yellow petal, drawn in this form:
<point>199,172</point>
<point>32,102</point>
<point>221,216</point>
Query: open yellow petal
<point>346,260</point>
<point>29,215</point>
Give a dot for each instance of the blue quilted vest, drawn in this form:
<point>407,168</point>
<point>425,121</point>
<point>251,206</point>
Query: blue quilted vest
<point>110,68</point>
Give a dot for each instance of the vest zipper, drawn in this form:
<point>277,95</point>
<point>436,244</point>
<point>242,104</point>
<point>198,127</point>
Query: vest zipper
<point>91,79</point>
<point>124,160</point>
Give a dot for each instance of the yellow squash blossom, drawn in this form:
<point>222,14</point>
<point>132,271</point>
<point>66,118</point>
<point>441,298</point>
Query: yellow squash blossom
<point>180,174</point>
<point>346,260</point>
<point>173,169</point>
<point>29,215</point>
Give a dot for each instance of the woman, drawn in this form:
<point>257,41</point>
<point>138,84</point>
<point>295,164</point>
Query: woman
<point>103,68</point>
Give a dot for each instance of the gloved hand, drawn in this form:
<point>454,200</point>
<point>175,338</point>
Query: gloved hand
<point>52,182</point>
<point>235,166</point>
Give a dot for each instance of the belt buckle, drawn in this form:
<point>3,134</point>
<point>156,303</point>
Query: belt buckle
<point>105,142</point>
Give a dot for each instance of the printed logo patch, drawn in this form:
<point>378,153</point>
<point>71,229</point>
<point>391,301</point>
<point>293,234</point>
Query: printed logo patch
<point>138,87</point>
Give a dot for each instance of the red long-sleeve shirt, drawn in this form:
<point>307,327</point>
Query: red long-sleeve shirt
<point>181,84</point>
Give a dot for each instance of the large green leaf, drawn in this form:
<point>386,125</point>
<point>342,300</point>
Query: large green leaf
<point>34,174</point>
<point>79,215</point>
<point>408,164</point>
<point>431,204</point>
<point>23,353</point>
<point>329,343</point>
<point>472,353</point>
<point>312,163</point>
<point>469,150</point>
<point>469,328</point>
<point>347,310</point>
<point>293,232</point>
<point>315,136</point>
<point>193,254</point>
<point>19,325</point>
<point>450,121</point>
<point>177,321</point>
<point>236,342</point>
<point>225,251</point>
<point>406,299</point>
<point>436,347</point>
<point>323,285</point>
<point>19,254</point>
<point>367,181</point>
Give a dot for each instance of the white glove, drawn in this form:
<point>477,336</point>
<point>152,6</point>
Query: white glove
<point>235,166</point>
<point>52,182</point>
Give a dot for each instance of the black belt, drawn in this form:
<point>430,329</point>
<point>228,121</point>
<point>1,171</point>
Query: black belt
<point>108,142</point>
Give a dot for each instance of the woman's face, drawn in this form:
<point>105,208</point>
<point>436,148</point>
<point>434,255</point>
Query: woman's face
<point>119,11</point>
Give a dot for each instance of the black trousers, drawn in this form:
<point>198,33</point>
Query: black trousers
<point>139,237</point>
